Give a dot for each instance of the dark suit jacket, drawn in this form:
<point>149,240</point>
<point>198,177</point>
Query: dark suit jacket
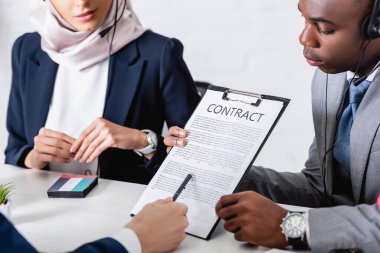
<point>12,242</point>
<point>148,84</point>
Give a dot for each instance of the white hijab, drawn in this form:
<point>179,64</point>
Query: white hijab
<point>81,50</point>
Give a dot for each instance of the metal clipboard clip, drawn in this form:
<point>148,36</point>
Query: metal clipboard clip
<point>244,93</point>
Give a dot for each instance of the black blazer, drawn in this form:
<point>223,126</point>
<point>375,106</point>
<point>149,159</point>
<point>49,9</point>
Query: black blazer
<point>148,83</point>
<point>12,241</point>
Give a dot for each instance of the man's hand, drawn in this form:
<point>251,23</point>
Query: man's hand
<point>252,218</point>
<point>49,146</point>
<point>103,134</point>
<point>160,226</point>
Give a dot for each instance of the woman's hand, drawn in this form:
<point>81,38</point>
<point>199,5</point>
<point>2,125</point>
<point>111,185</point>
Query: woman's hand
<point>49,146</point>
<point>175,138</point>
<point>103,134</point>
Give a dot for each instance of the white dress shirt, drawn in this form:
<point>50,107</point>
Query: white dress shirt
<point>78,99</point>
<point>128,239</point>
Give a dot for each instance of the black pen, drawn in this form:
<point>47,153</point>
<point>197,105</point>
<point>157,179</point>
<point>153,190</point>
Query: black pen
<point>182,186</point>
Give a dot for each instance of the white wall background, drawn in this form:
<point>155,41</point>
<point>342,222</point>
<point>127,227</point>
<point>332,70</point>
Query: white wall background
<point>242,44</point>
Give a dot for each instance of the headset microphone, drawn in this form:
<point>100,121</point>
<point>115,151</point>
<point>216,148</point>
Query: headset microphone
<point>105,31</point>
<point>357,81</point>
<point>108,29</point>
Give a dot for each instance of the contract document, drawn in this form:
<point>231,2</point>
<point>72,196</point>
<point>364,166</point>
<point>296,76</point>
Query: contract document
<point>226,132</point>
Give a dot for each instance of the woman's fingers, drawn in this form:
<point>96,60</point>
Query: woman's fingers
<point>176,137</point>
<point>51,146</point>
<point>177,132</point>
<point>56,135</point>
<point>90,142</point>
<point>53,142</point>
<point>52,150</point>
<point>50,158</point>
<point>172,141</point>
<point>99,149</point>
<point>79,141</point>
<point>93,147</point>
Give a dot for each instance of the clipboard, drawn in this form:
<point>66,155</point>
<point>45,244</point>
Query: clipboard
<point>214,104</point>
<point>259,98</point>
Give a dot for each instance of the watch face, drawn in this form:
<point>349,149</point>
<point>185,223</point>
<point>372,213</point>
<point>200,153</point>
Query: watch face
<point>152,140</point>
<point>294,225</point>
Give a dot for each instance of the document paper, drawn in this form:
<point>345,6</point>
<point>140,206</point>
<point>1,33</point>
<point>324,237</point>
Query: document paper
<point>224,137</point>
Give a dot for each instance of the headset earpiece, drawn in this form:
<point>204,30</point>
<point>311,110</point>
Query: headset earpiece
<point>370,28</point>
<point>364,28</point>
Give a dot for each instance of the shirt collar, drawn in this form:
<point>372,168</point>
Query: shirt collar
<point>350,74</point>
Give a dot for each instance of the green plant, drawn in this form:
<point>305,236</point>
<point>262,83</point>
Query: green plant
<point>5,193</point>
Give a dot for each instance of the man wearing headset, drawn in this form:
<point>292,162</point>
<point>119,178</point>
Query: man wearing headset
<point>342,175</point>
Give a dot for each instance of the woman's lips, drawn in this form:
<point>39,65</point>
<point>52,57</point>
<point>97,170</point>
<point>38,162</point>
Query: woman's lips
<point>86,16</point>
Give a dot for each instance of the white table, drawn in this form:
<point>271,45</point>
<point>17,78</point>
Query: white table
<point>61,225</point>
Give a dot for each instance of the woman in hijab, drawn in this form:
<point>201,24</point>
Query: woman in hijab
<point>91,90</point>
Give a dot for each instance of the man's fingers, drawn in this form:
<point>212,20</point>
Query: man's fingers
<point>163,201</point>
<point>232,225</point>
<point>229,211</point>
<point>182,208</point>
<point>240,236</point>
<point>227,200</point>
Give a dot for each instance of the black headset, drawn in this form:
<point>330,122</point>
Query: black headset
<point>371,23</point>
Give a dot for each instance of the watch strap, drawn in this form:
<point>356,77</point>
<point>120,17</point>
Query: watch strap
<point>298,243</point>
<point>147,150</point>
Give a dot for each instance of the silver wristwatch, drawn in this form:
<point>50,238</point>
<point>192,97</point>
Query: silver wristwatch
<point>152,140</point>
<point>294,228</point>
